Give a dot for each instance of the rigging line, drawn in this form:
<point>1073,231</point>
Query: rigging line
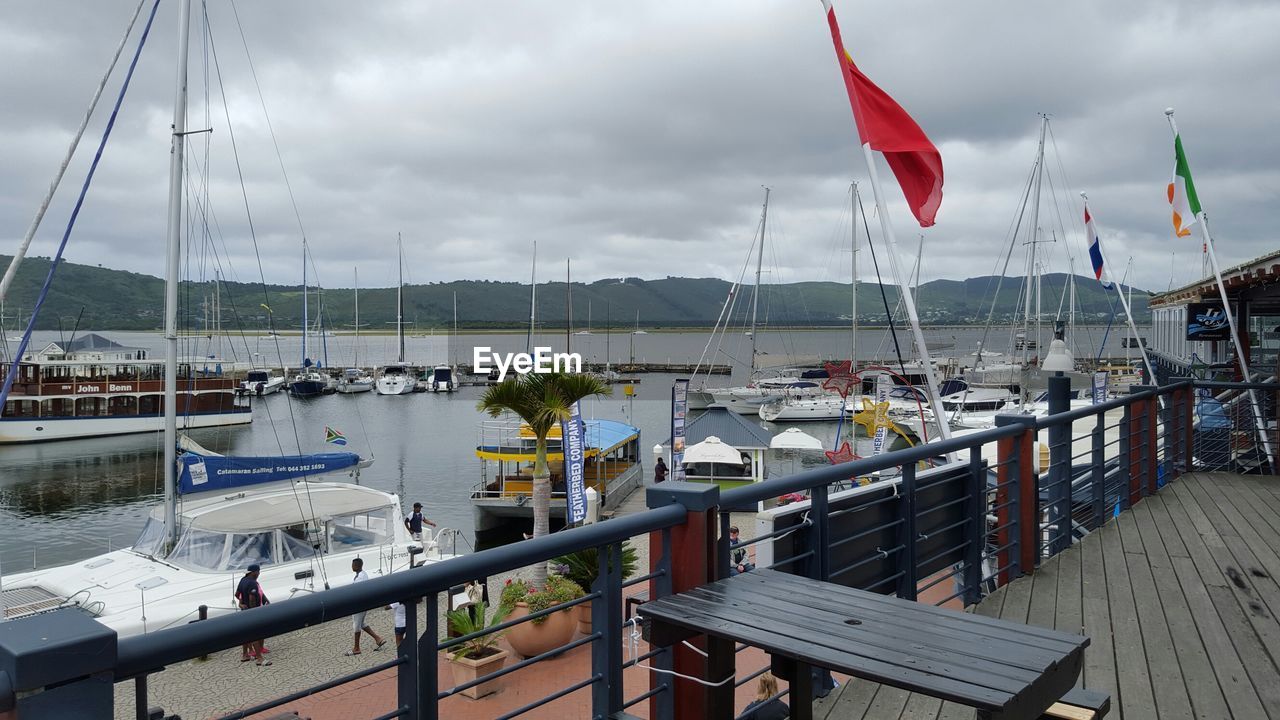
<point>253,72</point>
<point>897,348</point>
<point>21,253</point>
<point>75,213</point>
<point>253,236</point>
<point>1013,241</point>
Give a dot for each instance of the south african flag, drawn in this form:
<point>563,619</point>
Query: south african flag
<point>334,436</point>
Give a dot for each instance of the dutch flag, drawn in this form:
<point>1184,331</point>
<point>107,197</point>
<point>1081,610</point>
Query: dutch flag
<point>1095,247</point>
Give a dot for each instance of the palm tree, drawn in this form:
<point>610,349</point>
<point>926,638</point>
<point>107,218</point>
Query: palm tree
<point>541,400</point>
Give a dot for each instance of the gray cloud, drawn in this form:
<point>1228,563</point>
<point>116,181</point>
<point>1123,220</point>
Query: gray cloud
<point>635,137</point>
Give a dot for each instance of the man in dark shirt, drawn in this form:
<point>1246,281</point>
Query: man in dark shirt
<point>413,523</point>
<point>738,562</point>
<point>659,471</point>
<point>249,595</point>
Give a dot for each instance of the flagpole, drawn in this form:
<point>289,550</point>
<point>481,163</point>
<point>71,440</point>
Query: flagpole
<point>886,227</point>
<point>1128,314</point>
<point>1231,319</point>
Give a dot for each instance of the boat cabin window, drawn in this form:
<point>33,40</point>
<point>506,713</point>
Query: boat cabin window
<point>151,540</point>
<point>200,549</point>
<point>296,543</point>
<point>248,549</point>
<point>358,529</point>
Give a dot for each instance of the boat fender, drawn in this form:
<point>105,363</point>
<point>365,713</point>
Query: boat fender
<point>521,500</point>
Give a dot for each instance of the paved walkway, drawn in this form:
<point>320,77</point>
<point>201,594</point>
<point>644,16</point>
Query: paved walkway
<point>1179,597</point>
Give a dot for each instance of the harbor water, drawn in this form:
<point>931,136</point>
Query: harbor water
<point>65,501</point>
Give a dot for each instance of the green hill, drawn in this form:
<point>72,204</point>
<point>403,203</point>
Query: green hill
<point>103,299</point>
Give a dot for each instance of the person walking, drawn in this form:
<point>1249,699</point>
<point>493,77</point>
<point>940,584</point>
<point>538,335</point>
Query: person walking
<point>357,621</point>
<point>249,595</point>
<point>414,522</point>
<point>400,621</point>
<point>659,471</point>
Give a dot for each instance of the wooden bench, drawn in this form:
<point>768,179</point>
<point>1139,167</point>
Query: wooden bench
<point>1005,670</point>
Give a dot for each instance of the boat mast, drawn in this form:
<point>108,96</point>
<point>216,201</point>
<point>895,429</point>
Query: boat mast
<point>357,292</point>
<point>607,328</point>
<point>172,253</point>
<point>400,297</point>
<point>454,354</point>
<point>533,298</point>
<point>302,366</point>
<point>568,308</point>
<point>1032,266</point>
<point>633,340</point>
<point>755,295</point>
<point>853,312</point>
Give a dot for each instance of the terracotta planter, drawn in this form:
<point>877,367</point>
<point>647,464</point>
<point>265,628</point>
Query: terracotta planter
<point>466,669</point>
<point>583,612</point>
<point>529,639</point>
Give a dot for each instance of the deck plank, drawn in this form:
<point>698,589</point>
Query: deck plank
<point>1099,658</point>
<point>1205,694</point>
<point>1131,662</point>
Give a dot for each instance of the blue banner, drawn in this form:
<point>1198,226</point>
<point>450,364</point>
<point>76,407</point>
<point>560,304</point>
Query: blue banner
<point>571,441</point>
<point>198,473</point>
<point>679,408</point>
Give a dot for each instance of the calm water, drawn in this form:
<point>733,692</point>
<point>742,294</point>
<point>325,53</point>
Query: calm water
<point>69,500</point>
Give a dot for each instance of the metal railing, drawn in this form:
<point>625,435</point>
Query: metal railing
<point>948,533</point>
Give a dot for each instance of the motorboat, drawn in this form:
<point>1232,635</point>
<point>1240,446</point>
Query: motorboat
<point>443,378</point>
<point>261,382</point>
<point>354,380</point>
<point>303,532</point>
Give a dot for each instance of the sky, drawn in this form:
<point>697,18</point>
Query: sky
<point>636,138</point>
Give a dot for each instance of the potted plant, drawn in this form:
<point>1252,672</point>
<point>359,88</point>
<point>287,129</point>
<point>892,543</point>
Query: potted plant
<point>480,655</point>
<point>521,598</point>
<point>583,566</point>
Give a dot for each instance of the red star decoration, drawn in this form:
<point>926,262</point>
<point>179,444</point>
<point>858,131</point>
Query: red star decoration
<point>843,455</point>
<point>840,378</point>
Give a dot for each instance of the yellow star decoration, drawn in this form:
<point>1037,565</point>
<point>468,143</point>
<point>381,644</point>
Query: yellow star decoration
<point>873,416</point>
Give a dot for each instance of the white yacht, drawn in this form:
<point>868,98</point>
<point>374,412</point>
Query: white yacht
<point>443,378</point>
<point>354,380</point>
<point>395,380</point>
<point>304,534</point>
<point>803,408</point>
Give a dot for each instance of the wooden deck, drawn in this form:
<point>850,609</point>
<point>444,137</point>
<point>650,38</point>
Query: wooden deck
<point>1180,599</point>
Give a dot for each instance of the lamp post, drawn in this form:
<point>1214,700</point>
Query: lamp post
<point>1059,361</point>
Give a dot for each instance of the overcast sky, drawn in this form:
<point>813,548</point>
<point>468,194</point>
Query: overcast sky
<point>635,137</point>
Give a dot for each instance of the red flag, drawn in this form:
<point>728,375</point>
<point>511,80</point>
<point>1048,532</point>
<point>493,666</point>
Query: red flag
<point>885,126</point>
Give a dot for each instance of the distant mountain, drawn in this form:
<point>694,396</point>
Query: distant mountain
<point>103,299</point>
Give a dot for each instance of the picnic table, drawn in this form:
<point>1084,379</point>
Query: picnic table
<point>1003,669</point>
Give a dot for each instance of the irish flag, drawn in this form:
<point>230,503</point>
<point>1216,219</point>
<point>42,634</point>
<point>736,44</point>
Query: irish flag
<point>1182,192</point>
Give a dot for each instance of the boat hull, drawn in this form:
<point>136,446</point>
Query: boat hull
<point>307,388</point>
<point>394,385</point>
<point>22,430</point>
<point>354,387</point>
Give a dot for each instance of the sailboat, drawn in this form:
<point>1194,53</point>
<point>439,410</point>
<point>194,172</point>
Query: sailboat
<point>444,377</point>
<point>396,379</point>
<point>309,382</point>
<point>222,514</point>
<point>638,331</point>
<point>354,379</point>
<point>588,330</point>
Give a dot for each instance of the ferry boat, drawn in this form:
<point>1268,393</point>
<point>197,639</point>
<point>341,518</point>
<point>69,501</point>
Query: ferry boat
<point>505,491</point>
<point>94,386</point>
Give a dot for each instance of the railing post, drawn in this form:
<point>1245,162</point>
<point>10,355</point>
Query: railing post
<point>907,580</point>
<point>429,660</point>
<point>1058,502</point>
<point>1150,444</point>
<point>1188,427</point>
<point>694,542</point>
<point>606,619</point>
<point>1016,498</point>
<point>819,510</point>
<point>59,665</point>
<point>977,529</point>
<point>407,692</point>
<point>1098,471</point>
<point>1128,463</point>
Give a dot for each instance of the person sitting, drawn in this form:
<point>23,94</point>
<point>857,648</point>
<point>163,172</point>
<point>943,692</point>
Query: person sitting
<point>738,562</point>
<point>766,706</point>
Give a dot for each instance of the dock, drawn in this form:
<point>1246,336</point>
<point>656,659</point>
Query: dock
<point>1179,597</point>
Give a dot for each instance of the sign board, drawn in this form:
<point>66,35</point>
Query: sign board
<point>1207,321</point>
<point>1099,387</point>
<point>574,456</point>
<point>883,385</point>
<point>679,408</point>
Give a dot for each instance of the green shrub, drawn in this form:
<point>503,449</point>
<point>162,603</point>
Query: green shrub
<point>557,590</point>
<point>582,566</point>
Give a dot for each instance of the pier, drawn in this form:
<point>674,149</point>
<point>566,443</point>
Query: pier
<point>1159,543</point>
